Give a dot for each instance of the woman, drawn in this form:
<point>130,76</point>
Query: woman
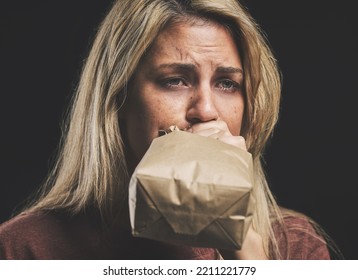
<point>202,65</point>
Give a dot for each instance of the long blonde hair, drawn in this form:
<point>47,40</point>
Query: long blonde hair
<point>91,168</point>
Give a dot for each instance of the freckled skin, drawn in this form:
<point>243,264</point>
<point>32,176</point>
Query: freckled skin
<point>163,96</point>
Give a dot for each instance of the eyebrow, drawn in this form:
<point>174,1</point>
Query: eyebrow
<point>189,66</point>
<point>178,66</point>
<point>229,70</point>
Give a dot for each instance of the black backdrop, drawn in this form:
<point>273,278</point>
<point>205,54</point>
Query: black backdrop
<point>311,160</point>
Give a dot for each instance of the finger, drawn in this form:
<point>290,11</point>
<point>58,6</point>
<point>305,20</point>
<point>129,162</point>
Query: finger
<point>221,125</point>
<point>212,132</point>
<point>219,131</point>
<point>237,141</point>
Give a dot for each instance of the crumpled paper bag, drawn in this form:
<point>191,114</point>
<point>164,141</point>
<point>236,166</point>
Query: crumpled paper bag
<point>192,190</point>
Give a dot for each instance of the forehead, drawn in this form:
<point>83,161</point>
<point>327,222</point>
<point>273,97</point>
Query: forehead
<point>185,40</point>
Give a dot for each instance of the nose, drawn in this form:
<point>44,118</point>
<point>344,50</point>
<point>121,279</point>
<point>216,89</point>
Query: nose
<point>202,106</point>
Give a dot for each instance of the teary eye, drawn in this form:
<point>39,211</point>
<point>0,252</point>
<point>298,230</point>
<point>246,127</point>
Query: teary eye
<point>173,83</point>
<point>228,85</point>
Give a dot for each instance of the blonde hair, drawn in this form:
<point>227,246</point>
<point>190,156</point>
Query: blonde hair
<point>91,169</point>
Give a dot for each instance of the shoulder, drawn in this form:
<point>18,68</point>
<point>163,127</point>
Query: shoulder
<point>44,235</point>
<point>31,223</point>
<point>20,234</point>
<point>300,238</point>
<point>23,221</point>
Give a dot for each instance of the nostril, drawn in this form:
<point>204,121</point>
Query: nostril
<point>194,121</point>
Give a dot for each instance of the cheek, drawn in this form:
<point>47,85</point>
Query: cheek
<point>233,117</point>
<point>140,126</point>
<point>145,117</point>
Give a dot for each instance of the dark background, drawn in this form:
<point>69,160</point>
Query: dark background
<point>311,160</point>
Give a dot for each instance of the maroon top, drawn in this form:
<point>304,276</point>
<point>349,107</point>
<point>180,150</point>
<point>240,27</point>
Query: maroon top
<point>55,235</point>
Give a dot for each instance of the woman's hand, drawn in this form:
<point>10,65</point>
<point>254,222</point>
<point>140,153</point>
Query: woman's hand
<point>253,248</point>
<point>218,130</point>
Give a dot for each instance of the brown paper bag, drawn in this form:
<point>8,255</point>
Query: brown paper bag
<point>192,190</point>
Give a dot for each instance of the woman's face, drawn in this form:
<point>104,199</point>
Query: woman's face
<point>192,76</point>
